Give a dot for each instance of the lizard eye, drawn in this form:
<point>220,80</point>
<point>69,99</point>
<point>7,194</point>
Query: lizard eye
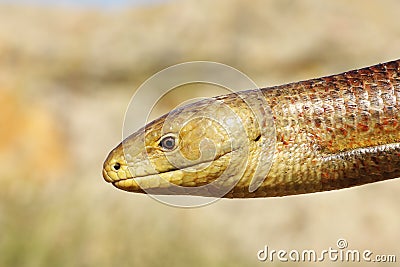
<point>168,143</point>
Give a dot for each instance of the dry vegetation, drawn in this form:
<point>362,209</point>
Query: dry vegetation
<point>66,76</point>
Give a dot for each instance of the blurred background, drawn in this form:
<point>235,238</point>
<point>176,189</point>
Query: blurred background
<point>67,72</point>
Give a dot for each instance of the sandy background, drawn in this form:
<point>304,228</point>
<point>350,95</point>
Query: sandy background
<point>66,77</point>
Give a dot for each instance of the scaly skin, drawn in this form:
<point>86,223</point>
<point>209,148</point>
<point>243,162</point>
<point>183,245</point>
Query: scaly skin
<point>316,135</point>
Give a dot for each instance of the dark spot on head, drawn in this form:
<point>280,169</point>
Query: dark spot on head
<point>116,166</point>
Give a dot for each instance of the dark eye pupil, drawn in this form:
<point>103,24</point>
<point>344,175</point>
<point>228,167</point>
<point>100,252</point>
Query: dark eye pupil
<point>168,143</point>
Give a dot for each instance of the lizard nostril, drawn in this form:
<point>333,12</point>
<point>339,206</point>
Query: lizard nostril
<point>116,166</point>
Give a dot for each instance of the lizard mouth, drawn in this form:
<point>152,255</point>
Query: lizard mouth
<point>175,179</point>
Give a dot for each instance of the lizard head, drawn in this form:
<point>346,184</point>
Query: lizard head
<point>199,149</point>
